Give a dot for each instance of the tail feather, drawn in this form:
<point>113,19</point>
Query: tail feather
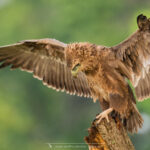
<point>134,121</point>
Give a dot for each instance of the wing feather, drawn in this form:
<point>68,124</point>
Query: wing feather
<point>135,54</point>
<point>61,77</point>
<point>45,58</point>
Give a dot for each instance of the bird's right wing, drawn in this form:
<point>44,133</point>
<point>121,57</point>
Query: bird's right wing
<point>134,54</point>
<point>45,59</point>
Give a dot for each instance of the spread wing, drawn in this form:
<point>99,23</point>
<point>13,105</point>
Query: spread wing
<point>135,55</point>
<point>45,59</point>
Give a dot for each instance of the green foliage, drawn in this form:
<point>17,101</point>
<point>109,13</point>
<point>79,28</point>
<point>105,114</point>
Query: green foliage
<point>30,113</point>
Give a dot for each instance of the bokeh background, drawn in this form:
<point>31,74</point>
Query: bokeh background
<point>32,115</point>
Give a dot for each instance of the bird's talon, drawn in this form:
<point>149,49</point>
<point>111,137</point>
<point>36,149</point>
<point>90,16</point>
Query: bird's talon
<point>103,115</point>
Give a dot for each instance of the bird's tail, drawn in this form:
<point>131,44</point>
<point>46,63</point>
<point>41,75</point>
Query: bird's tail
<point>133,120</point>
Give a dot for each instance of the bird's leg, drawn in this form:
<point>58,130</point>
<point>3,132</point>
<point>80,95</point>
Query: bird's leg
<point>104,114</point>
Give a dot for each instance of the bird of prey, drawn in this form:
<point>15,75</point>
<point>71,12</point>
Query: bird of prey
<point>91,70</point>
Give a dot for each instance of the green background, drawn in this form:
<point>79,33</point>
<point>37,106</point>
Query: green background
<point>31,114</point>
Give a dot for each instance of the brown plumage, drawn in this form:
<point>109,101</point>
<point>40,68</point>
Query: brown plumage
<point>91,70</point>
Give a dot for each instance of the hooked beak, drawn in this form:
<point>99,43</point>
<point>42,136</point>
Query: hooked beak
<point>74,73</point>
<point>75,70</point>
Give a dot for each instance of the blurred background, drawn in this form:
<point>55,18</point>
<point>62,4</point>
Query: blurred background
<point>32,115</point>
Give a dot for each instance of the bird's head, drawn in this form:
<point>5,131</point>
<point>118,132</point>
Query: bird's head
<point>81,57</point>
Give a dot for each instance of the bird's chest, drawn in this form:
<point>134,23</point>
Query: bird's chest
<point>101,82</point>
<point>101,92</point>
<point>98,90</point>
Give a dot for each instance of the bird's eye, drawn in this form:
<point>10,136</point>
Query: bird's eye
<point>76,67</point>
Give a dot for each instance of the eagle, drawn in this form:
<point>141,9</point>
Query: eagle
<point>89,70</point>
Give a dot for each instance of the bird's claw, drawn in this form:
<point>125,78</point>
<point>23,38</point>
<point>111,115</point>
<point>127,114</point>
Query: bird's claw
<point>103,115</point>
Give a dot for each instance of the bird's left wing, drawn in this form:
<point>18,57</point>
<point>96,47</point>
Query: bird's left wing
<point>45,58</point>
<point>134,54</point>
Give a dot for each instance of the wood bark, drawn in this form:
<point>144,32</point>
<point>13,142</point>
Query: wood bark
<point>108,136</point>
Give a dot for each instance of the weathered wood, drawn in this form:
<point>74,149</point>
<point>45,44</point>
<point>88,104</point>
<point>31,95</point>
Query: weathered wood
<point>108,136</point>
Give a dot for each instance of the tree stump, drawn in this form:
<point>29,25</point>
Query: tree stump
<point>108,136</point>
